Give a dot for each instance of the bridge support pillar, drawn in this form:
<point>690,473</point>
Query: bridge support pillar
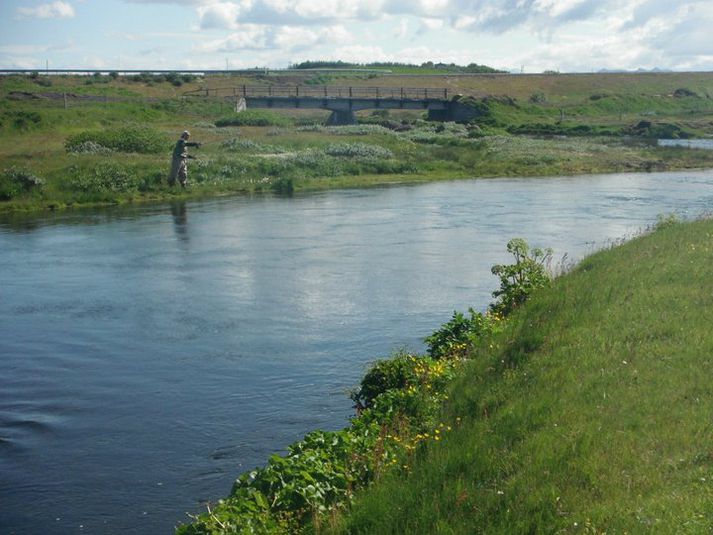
<point>341,117</point>
<point>440,115</point>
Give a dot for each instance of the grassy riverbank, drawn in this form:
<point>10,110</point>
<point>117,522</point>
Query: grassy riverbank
<point>587,410</point>
<point>52,156</point>
<point>590,413</point>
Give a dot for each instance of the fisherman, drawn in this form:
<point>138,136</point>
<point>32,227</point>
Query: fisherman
<point>179,160</point>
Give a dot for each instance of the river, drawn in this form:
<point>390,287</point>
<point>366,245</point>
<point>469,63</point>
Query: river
<point>151,354</point>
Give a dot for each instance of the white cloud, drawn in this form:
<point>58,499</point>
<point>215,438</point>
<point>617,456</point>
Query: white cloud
<point>286,38</point>
<point>55,10</point>
<point>221,15</point>
<point>359,54</point>
<point>428,24</point>
<point>248,37</point>
<point>401,30</point>
<point>285,12</point>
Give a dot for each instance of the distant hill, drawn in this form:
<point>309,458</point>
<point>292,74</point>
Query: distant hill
<point>396,67</point>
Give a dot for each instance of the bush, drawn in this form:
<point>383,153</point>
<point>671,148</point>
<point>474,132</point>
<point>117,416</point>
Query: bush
<point>519,280</point>
<point>105,177</point>
<point>682,92</point>
<point>455,337</point>
<point>250,146</point>
<point>358,151</point>
<point>384,375</point>
<point>254,118</point>
<point>538,97</point>
<point>647,129</point>
<point>137,139</point>
<point>14,182</point>
<point>24,120</point>
<point>283,186</point>
<point>347,130</point>
<point>90,147</point>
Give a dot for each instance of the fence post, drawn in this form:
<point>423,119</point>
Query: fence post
<point>245,91</point>
<point>350,92</point>
<point>445,93</point>
<point>65,100</point>
<point>297,91</point>
<point>402,93</point>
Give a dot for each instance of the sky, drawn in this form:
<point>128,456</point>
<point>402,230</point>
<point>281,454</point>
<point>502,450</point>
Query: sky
<point>514,35</point>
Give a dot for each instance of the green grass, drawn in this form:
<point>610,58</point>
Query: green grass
<point>594,110</point>
<point>591,413</point>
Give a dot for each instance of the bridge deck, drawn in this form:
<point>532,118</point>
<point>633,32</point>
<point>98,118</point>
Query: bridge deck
<point>327,91</point>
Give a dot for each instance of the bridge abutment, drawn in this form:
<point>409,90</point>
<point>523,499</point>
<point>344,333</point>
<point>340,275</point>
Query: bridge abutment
<point>341,117</point>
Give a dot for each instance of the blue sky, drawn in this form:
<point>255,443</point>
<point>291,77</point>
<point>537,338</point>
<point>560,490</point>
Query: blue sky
<point>534,35</point>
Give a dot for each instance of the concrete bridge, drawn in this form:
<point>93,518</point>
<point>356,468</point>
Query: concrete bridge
<point>343,101</point>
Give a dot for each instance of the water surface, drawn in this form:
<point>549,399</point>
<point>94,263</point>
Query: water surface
<point>688,143</point>
<point>152,354</point>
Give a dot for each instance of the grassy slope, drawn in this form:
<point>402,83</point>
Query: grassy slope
<point>593,414</point>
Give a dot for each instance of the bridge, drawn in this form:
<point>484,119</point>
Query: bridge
<point>343,101</point>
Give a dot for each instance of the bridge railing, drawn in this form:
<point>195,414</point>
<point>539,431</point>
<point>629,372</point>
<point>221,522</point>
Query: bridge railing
<point>297,91</point>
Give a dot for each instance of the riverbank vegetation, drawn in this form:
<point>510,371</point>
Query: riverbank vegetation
<point>590,413</point>
<point>74,133</point>
<point>398,406</point>
<point>584,410</point>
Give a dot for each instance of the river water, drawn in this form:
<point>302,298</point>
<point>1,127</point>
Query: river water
<point>152,354</point>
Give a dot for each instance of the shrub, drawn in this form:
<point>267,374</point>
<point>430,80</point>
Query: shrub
<point>283,186</point>
<point>24,120</point>
<point>358,150</point>
<point>106,176</point>
<point>138,139</point>
<point>538,97</point>
<point>90,147</point>
<point>347,130</point>
<point>254,118</point>
<point>519,280</point>
<point>455,337</point>
<point>15,181</point>
<point>384,375</point>
<point>666,220</point>
<point>682,92</point>
<point>647,129</point>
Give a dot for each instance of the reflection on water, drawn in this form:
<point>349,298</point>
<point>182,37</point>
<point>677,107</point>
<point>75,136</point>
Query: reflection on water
<point>141,375</point>
<point>180,220</point>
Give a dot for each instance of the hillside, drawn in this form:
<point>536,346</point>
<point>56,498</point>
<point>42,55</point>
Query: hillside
<point>592,414</point>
